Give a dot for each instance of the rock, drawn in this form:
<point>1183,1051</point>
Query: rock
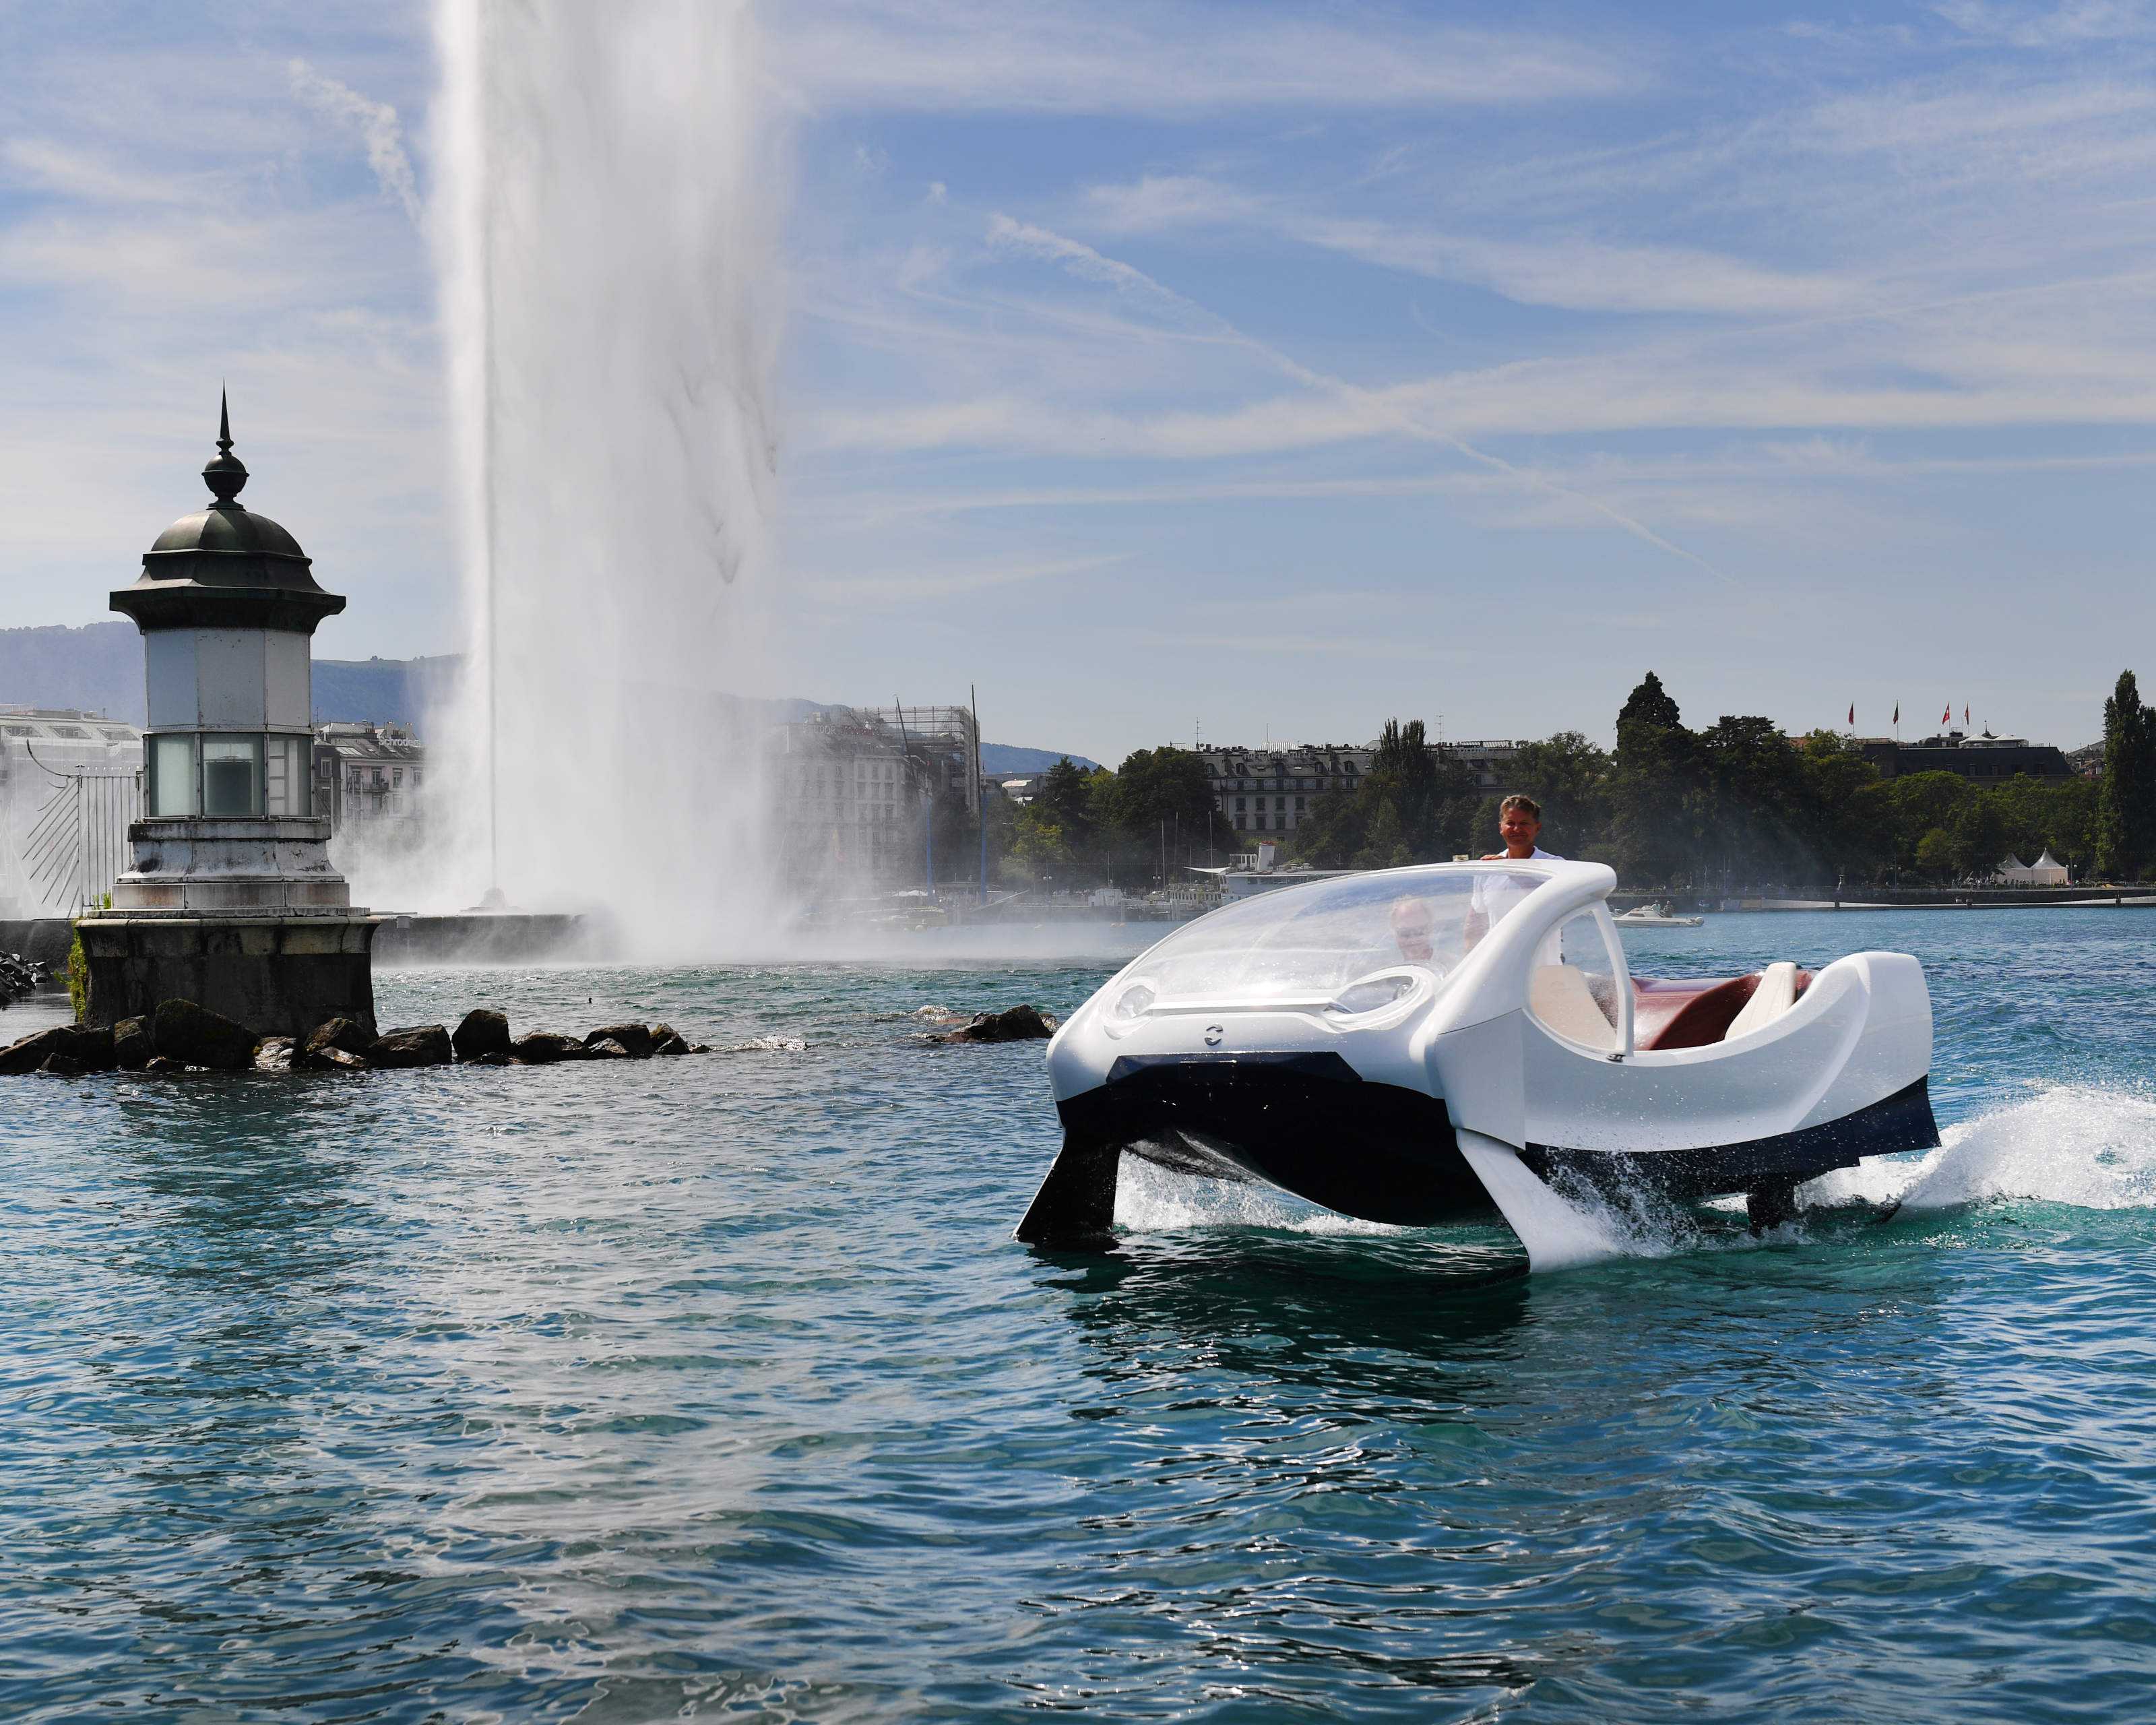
<point>497,1058</point>
<point>60,1066</point>
<point>484,1031</point>
<point>34,1050</point>
<point>195,1036</point>
<point>636,1040</point>
<point>417,1046</point>
<point>700,1048</point>
<point>334,1058</point>
<point>88,1047</point>
<point>93,1050</point>
<point>160,1066</point>
<point>542,1048</point>
<point>347,1036</point>
<point>274,1053</point>
<point>666,1041</point>
<point>132,1049</point>
<point>606,1049</point>
<point>1021,1023</point>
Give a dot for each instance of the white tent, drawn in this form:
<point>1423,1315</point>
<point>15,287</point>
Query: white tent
<point>2047,871</point>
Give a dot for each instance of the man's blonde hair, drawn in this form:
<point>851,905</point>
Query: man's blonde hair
<point>1516,801</point>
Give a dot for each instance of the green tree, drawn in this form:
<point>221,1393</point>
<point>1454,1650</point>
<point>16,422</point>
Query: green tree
<point>1980,836</point>
<point>1837,778</point>
<point>1568,776</point>
<point>2126,802</point>
<point>1755,818</point>
<point>1653,788</point>
<point>1156,806</point>
<point>1934,853</point>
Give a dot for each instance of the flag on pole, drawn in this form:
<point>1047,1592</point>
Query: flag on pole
<point>1852,714</point>
<point>1946,717</point>
<point>1964,716</point>
<point>1898,712</point>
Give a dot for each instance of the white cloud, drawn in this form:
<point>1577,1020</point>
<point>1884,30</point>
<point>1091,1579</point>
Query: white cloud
<point>887,585</point>
<point>1571,271</point>
<point>1181,61</point>
<point>376,123</point>
<point>2076,21</point>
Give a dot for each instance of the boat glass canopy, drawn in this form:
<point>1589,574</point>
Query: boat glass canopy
<point>1311,946</point>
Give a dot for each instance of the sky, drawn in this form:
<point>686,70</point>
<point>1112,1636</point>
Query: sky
<point>1271,369</point>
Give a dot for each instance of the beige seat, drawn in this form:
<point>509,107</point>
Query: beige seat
<point>1776,994</point>
<point>1558,995</point>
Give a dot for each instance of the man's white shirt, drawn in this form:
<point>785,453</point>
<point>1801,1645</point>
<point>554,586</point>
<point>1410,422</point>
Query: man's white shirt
<point>1496,896</point>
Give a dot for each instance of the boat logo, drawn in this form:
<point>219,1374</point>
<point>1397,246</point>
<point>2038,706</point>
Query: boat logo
<point>1214,1032</point>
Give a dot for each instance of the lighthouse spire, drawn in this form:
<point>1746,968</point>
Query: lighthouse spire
<point>225,472</point>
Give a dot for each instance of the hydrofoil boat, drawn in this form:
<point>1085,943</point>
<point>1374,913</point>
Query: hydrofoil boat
<point>1415,1046</point>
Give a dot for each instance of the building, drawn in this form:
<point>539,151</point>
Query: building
<point>1271,790</point>
<point>70,785</point>
<point>1983,757</point>
<point>367,778</point>
<point>230,899</point>
<point>851,795</point>
<point>945,746</point>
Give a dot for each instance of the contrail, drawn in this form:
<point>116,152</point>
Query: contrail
<point>1082,259</point>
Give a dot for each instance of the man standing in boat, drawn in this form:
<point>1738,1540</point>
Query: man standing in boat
<point>1519,824</point>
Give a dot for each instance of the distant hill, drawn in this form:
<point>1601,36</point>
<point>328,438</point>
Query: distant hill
<point>95,668</point>
<point>387,691</point>
<point>98,668</point>
<point>1008,757</point>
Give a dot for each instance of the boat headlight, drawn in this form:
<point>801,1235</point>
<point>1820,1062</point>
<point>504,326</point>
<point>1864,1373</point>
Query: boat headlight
<point>1134,1002</point>
<point>1374,995</point>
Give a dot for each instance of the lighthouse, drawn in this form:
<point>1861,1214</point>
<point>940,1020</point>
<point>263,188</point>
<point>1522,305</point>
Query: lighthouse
<point>230,899</point>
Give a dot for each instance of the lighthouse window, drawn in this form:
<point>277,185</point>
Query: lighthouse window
<point>172,777</point>
<point>283,777</point>
<point>231,775</point>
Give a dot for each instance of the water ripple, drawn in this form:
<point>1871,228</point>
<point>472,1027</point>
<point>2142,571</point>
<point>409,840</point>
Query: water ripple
<point>716,1388</point>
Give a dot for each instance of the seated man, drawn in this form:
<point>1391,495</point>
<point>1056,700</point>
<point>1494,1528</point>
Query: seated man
<point>1519,824</point>
<point>1412,930</point>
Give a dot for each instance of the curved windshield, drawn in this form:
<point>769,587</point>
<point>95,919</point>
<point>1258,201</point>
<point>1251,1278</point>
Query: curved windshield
<point>1312,944</point>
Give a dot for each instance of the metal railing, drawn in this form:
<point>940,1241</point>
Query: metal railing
<point>77,847</point>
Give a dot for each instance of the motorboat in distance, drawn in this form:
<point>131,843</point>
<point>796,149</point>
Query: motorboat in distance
<point>1654,916</point>
<point>1413,1045</point>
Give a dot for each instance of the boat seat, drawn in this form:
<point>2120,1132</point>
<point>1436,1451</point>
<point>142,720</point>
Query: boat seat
<point>1559,996</point>
<point>1776,994</point>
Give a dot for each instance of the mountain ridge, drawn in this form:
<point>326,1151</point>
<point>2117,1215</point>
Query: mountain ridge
<point>97,667</point>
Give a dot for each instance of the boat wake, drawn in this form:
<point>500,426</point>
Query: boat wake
<point>2074,1146</point>
<point>1156,1200</point>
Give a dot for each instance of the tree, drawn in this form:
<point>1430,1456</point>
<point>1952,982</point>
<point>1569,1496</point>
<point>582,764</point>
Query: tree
<point>1568,776</point>
<point>1755,821</point>
<point>1933,854</point>
<point>1416,803</point>
<point>1158,800</point>
<point>1979,836</point>
<point>1653,788</point>
<point>2126,801</point>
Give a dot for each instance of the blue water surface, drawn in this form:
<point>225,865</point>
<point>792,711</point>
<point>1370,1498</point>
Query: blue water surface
<point>717,1388</point>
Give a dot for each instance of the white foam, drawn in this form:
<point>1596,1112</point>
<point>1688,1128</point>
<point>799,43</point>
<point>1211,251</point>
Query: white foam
<point>1151,1200</point>
<point>2073,1145</point>
<point>2068,1144</point>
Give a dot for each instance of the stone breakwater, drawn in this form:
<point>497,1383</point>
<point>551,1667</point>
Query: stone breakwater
<point>182,1036</point>
<point>19,977</point>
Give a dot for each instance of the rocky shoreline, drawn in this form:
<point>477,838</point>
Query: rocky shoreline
<point>183,1037</point>
<point>20,977</point>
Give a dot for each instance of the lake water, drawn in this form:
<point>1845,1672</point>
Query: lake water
<point>717,1388</point>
